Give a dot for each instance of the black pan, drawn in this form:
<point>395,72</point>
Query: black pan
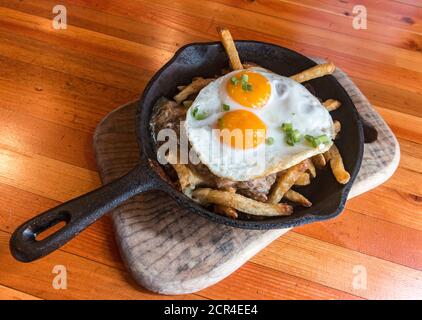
<point>202,59</point>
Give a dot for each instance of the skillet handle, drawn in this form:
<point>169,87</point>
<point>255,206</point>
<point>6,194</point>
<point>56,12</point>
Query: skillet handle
<point>78,214</point>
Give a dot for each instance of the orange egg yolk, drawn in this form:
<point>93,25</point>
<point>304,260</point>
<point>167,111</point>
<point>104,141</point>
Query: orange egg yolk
<point>241,129</point>
<point>253,93</point>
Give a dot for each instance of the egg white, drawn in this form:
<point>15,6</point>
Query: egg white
<point>290,102</point>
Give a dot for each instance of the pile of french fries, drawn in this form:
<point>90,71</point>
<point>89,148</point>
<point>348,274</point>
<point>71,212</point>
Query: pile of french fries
<point>227,202</point>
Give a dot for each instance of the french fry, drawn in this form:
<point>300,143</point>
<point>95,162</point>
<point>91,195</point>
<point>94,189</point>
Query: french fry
<point>226,210</point>
<point>304,179</point>
<point>188,180</point>
<point>314,72</point>
<point>319,161</point>
<point>337,166</point>
<point>194,87</point>
<point>285,181</point>
<point>229,45</point>
<point>337,127</point>
<point>241,203</point>
<point>331,104</point>
<point>310,167</point>
<point>296,197</point>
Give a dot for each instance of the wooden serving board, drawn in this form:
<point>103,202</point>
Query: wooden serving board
<point>170,251</point>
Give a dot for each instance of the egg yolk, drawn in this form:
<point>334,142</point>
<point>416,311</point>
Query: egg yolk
<point>250,89</point>
<point>241,129</point>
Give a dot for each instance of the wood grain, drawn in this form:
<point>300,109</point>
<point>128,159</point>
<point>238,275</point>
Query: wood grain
<point>56,84</point>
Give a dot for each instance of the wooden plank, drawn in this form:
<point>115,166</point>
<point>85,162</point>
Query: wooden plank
<point>411,155</point>
<point>391,97</point>
<point>292,30</point>
<point>403,125</point>
<point>369,235</point>
<point>56,96</point>
<point>109,22</point>
<point>391,13</point>
<point>45,176</point>
<point>315,15</point>
<point>333,266</point>
<point>254,281</point>
<point>86,279</point>
<point>11,294</point>
<point>390,204</point>
<point>56,58</point>
<point>107,47</point>
<point>27,135</point>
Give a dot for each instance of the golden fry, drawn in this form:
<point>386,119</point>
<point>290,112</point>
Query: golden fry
<point>188,180</point>
<point>337,127</point>
<point>310,167</point>
<point>331,104</point>
<point>337,166</point>
<point>319,161</point>
<point>314,72</point>
<point>285,181</point>
<point>229,45</point>
<point>241,203</point>
<point>304,179</point>
<point>296,197</point>
<point>196,86</point>
<point>226,210</point>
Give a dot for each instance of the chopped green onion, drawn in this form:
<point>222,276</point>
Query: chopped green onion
<point>292,135</point>
<point>295,134</point>
<point>234,80</point>
<point>289,141</point>
<point>198,115</point>
<point>226,107</point>
<point>187,103</point>
<point>245,85</point>
<point>286,127</point>
<point>316,141</point>
<point>323,138</point>
<point>269,140</point>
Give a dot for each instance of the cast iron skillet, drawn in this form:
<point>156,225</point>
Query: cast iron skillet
<point>201,59</point>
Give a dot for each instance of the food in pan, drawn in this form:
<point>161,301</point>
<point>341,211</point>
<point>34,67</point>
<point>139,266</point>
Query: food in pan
<point>255,136</point>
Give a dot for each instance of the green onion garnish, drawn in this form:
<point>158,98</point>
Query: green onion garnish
<point>292,135</point>
<point>234,80</point>
<point>316,141</point>
<point>245,85</point>
<point>295,134</point>
<point>286,127</point>
<point>226,107</point>
<point>198,115</point>
<point>187,103</point>
<point>269,141</point>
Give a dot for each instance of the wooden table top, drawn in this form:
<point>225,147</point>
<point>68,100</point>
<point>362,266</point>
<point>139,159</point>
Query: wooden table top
<point>56,85</point>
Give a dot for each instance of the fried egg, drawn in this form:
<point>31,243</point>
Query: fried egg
<point>253,104</point>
